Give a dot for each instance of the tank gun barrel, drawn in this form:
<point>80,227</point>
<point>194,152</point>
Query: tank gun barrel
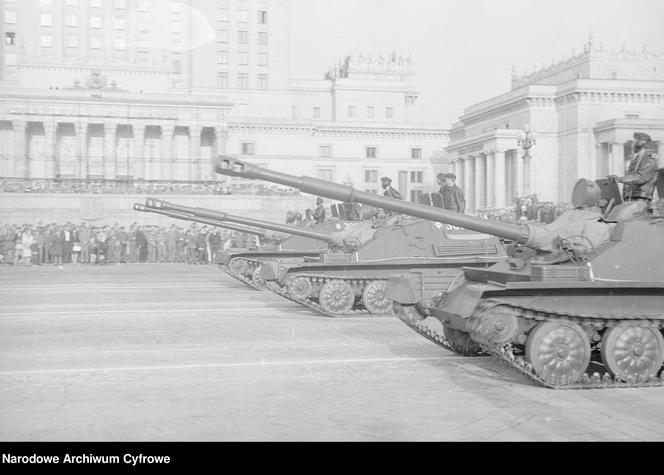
<point>152,203</point>
<point>209,222</point>
<point>521,233</point>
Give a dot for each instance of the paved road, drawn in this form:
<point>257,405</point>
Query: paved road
<point>185,353</point>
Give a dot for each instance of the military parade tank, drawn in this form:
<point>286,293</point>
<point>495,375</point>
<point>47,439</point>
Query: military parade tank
<point>579,304</point>
<point>353,282</point>
<point>305,242</point>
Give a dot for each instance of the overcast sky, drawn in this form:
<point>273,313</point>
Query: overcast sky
<point>464,50</point>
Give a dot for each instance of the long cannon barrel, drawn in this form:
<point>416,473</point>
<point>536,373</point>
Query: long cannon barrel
<point>153,203</point>
<point>521,233</point>
<point>209,222</point>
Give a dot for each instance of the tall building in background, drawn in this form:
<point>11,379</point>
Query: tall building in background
<point>583,112</point>
<point>154,90</point>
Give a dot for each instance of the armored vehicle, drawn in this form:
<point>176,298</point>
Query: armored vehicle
<point>353,282</point>
<point>244,264</point>
<point>579,304</point>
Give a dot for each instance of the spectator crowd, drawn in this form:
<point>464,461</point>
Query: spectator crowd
<point>44,244</point>
<point>528,208</point>
<point>21,185</point>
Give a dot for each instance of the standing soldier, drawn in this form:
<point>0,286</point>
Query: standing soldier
<point>171,243</point>
<point>639,183</point>
<point>161,244</point>
<point>84,237</point>
<point>319,212</point>
<point>123,237</point>
<point>214,243</point>
<point>390,192</point>
<point>151,236</point>
<point>453,199</point>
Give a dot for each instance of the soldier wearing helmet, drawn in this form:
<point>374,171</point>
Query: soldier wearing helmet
<point>639,182</point>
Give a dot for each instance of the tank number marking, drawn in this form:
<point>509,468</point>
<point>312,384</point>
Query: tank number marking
<point>453,228</point>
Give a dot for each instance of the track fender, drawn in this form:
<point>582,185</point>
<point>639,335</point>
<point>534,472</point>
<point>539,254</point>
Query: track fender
<point>404,288</point>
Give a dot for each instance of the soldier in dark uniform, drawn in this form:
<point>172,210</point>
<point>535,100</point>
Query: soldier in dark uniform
<point>453,198</point>
<point>319,212</point>
<point>390,192</point>
<point>639,182</point>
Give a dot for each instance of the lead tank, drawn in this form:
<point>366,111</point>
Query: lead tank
<point>353,282</point>
<point>305,242</point>
<point>579,304</point>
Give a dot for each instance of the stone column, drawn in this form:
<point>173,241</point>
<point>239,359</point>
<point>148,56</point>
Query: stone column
<point>138,168</point>
<point>194,162</point>
<point>110,145</point>
<point>518,160</point>
<point>50,165</point>
<point>499,178</point>
<point>165,171</point>
<point>221,132</point>
<point>490,179</point>
<point>480,182</point>
<point>468,182</point>
<point>85,168</point>
<point>20,147</point>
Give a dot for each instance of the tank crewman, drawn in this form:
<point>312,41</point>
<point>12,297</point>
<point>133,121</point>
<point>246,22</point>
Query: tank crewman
<point>390,192</point>
<point>319,212</point>
<point>453,198</point>
<point>639,182</point>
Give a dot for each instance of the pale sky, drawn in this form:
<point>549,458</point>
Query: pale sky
<point>463,50</point>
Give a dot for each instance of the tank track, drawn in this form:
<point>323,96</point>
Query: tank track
<point>240,277</point>
<point>312,304</point>
<point>513,357</point>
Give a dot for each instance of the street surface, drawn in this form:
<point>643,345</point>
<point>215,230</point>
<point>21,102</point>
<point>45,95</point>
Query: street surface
<point>170,352</point>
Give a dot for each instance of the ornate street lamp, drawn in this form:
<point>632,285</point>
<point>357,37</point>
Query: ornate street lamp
<point>526,142</point>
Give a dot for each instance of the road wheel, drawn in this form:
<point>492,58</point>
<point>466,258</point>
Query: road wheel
<point>336,298</point>
<point>237,266</point>
<point>300,288</point>
<point>631,350</point>
<point>559,352</point>
<point>257,278</point>
<point>373,298</point>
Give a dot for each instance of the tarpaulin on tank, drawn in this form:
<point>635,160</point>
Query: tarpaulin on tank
<point>582,228</point>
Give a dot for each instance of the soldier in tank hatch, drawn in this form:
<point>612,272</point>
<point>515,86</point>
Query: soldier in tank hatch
<point>319,212</point>
<point>639,182</point>
<point>390,192</point>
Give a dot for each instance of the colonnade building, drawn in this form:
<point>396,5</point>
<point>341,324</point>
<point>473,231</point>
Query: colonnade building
<point>154,90</point>
<point>581,112</point>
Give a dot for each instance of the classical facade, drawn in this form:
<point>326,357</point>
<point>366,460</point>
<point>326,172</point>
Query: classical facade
<point>582,113</point>
<point>154,90</point>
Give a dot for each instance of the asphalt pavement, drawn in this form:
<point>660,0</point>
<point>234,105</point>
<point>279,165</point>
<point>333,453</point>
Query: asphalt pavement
<point>173,352</point>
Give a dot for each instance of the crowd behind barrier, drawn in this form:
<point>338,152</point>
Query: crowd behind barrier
<point>27,185</point>
<point>57,244</point>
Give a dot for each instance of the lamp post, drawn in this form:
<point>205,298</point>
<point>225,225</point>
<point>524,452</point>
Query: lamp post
<point>526,142</point>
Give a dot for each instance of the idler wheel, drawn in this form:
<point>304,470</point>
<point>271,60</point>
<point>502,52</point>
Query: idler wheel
<point>257,278</point>
<point>237,266</point>
<point>498,325</point>
<point>461,342</point>
<point>631,350</point>
<point>336,298</point>
<point>559,352</point>
<point>300,288</point>
<point>373,298</point>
